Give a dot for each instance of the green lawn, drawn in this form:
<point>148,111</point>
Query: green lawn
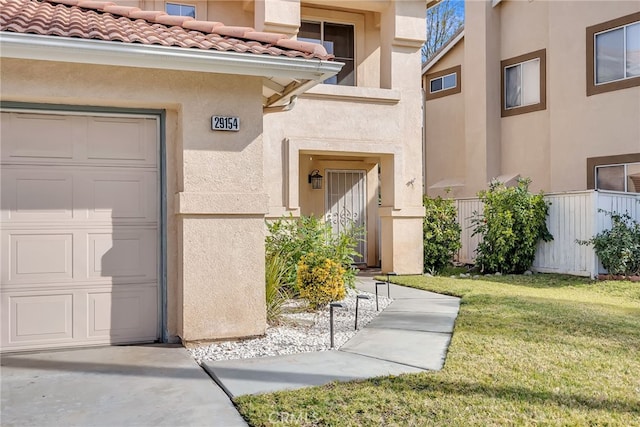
<point>527,350</point>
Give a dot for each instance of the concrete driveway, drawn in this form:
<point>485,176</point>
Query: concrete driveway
<point>144,385</point>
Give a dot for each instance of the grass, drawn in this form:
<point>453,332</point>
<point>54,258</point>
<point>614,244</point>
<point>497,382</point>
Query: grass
<point>527,350</point>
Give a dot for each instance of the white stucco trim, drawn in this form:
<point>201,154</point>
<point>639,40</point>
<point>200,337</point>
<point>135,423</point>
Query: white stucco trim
<point>98,52</point>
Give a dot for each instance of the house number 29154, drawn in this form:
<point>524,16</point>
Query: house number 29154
<point>225,123</point>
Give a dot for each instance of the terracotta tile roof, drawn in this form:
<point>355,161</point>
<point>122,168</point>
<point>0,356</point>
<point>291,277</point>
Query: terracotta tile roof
<point>104,20</point>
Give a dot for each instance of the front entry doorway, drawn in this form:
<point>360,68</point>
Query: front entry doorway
<point>346,195</point>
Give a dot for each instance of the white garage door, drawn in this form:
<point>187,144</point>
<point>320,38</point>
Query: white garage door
<point>79,229</point>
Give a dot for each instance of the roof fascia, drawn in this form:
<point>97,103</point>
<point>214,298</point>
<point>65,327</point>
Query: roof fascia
<point>433,61</point>
<point>97,52</point>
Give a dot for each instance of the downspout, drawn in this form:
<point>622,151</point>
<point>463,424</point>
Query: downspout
<point>424,143</point>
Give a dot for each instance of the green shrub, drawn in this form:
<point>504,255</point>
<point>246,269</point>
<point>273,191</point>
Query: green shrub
<point>619,247</point>
<point>276,272</point>
<point>512,224</point>
<point>297,237</point>
<point>320,280</point>
<point>440,232</point>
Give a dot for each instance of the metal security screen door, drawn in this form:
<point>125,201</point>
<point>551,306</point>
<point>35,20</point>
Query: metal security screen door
<point>346,204</point>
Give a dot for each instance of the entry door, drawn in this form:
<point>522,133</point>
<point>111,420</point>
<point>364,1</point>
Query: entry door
<point>79,229</point>
<point>346,204</point>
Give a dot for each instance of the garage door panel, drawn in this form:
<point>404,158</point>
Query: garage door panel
<point>33,195</point>
<point>121,313</point>
<point>117,139</point>
<point>122,255</point>
<point>37,318</point>
<point>44,136</point>
<point>40,257</point>
<point>122,195</point>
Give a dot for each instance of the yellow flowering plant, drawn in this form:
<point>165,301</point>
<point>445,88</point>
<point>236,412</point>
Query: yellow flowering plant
<point>320,280</point>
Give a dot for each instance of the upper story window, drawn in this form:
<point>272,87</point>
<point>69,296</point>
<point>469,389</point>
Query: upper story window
<point>523,83</point>
<point>338,39</point>
<point>623,177</point>
<point>443,83</point>
<point>179,9</point>
<point>613,55</point>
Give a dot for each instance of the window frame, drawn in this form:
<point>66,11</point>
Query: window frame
<point>594,162</point>
<point>541,55</point>
<point>594,88</point>
<point>457,71</point>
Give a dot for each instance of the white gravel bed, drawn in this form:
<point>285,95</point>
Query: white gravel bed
<point>299,332</point>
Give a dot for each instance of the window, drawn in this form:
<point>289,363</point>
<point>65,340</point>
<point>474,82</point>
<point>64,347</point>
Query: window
<point>523,83</point>
<point>338,39</point>
<point>614,173</point>
<point>624,177</point>
<point>180,9</point>
<point>443,83</point>
<point>613,55</point>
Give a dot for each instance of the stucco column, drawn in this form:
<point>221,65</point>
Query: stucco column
<point>221,206</point>
<point>482,91</point>
<point>277,16</point>
<point>222,265</point>
<point>402,28</point>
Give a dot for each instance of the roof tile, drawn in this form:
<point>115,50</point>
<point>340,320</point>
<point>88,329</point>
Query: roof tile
<point>173,20</point>
<point>204,26</point>
<point>121,10</point>
<point>232,31</point>
<point>300,45</point>
<point>108,21</point>
<point>271,38</point>
<point>147,15</point>
<point>91,4</point>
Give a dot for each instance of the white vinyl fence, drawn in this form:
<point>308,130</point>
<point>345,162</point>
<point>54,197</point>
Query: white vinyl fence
<point>572,216</point>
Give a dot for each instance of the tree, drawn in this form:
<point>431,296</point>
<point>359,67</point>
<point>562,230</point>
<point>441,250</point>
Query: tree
<point>443,21</point>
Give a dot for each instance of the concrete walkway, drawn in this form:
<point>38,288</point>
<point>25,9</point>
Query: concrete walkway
<point>153,385</point>
<point>161,385</point>
<point>411,335</point>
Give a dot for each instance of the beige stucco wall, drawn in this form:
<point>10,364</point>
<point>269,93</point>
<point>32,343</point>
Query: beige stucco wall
<point>550,146</point>
<point>525,137</point>
<point>215,196</point>
<point>580,127</point>
<point>445,145</point>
